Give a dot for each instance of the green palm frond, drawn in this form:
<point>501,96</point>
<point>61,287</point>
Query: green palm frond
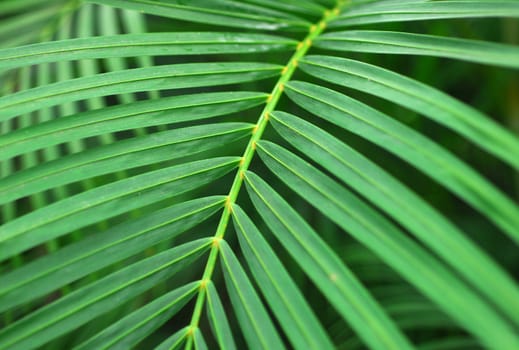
<point>312,174</point>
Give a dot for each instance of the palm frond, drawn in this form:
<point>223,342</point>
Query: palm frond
<point>258,174</point>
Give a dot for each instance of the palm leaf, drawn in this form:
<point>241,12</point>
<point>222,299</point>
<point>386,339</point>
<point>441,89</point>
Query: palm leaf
<point>418,97</point>
<point>130,330</point>
<point>425,10</point>
<point>219,177</point>
<point>83,305</point>
<point>419,44</point>
<point>131,45</point>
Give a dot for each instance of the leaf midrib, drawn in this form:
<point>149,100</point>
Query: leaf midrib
<point>287,72</point>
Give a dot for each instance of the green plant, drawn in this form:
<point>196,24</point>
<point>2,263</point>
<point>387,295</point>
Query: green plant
<point>251,189</point>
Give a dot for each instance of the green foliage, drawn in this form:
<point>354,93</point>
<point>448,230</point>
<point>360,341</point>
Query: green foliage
<point>263,174</point>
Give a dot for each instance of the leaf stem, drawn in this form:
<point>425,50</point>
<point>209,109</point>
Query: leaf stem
<point>287,72</point>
